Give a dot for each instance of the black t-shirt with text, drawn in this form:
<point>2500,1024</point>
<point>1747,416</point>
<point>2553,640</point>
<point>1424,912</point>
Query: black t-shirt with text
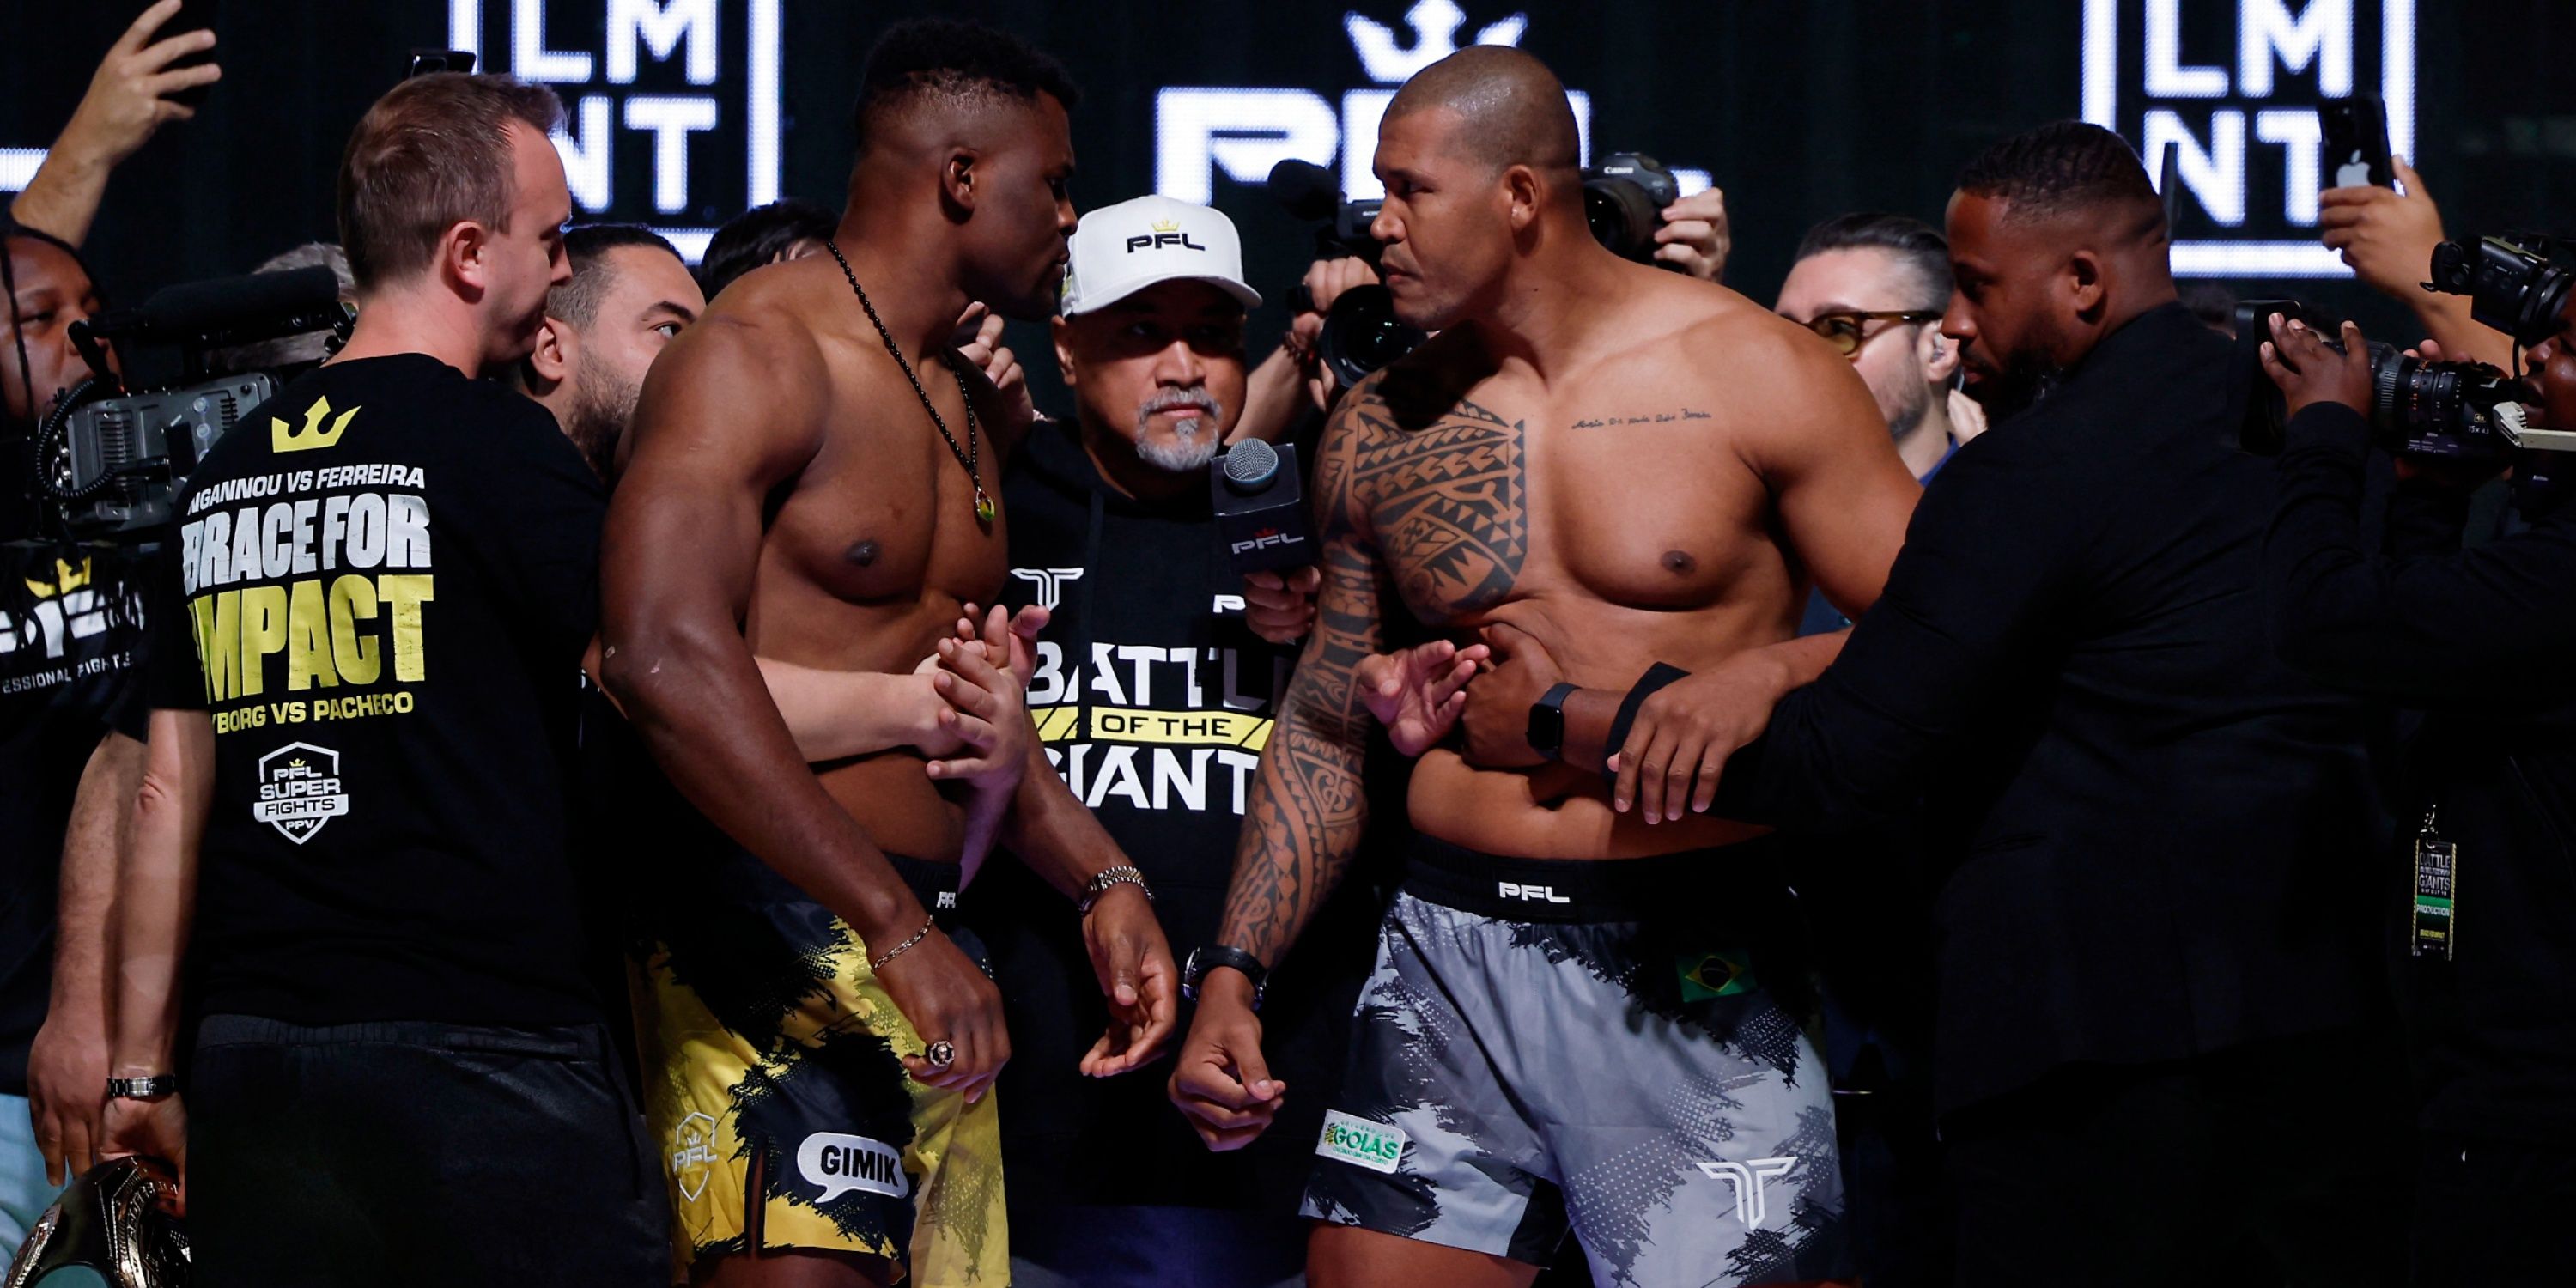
<point>1154,701</point>
<point>71,623</point>
<point>383,580</point>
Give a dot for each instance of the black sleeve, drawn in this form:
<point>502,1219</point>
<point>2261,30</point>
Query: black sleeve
<point>1966,605</point>
<point>2434,624</point>
<point>532,512</point>
<point>177,681</point>
<point>129,710</point>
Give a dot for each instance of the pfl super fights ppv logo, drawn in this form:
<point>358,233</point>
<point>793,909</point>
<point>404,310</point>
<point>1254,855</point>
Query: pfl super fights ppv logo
<point>2230,88</point>
<point>673,107</point>
<point>1201,131</point>
<point>299,790</point>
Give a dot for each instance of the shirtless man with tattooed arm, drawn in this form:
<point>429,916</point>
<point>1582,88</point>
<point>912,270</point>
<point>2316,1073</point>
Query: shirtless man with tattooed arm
<point>1617,466</point>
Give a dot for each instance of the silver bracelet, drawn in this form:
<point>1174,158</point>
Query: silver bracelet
<point>879,963</point>
<point>1102,881</point>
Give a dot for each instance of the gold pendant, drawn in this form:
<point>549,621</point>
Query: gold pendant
<point>983,505</point>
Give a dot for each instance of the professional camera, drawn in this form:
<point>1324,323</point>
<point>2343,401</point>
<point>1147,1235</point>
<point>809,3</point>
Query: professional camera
<point>2511,284</point>
<point>1624,199</point>
<point>108,457</point>
<point>1623,202</point>
<point>2462,411</point>
<point>1362,334</point>
<point>1309,192</point>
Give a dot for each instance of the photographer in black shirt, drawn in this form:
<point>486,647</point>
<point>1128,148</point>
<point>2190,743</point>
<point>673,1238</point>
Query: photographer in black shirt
<point>353,827</point>
<point>2478,640</point>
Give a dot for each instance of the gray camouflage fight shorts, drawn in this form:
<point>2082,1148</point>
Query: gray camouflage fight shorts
<point>1555,1046</point>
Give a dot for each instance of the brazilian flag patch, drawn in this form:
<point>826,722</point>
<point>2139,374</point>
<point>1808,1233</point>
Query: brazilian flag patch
<point>1707,975</point>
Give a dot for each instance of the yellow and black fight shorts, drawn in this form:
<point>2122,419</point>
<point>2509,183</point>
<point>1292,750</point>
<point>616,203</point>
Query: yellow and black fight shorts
<point>772,1084</point>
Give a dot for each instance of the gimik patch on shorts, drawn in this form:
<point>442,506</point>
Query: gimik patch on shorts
<point>838,1163</point>
<point>1358,1141</point>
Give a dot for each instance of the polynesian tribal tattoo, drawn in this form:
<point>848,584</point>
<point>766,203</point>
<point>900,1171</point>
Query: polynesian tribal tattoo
<point>1436,506</point>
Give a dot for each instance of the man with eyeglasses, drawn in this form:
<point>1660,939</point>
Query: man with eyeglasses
<point>1874,285</point>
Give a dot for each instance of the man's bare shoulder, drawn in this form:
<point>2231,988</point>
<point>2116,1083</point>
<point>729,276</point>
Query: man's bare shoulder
<point>774,308</point>
<point>1424,389</point>
<point>749,376</point>
<point>1722,329</point>
<point>755,347</point>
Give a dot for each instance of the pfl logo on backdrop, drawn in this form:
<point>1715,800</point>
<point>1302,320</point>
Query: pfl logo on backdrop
<point>1202,130</point>
<point>672,106</point>
<point>2232,86</point>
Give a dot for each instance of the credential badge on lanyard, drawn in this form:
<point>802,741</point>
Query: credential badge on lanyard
<point>2437,871</point>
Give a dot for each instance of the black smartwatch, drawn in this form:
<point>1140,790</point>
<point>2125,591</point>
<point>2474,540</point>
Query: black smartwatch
<point>1547,722</point>
<point>1203,960</point>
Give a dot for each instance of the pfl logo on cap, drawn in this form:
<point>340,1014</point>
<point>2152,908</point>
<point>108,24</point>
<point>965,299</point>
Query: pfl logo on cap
<point>1167,232</point>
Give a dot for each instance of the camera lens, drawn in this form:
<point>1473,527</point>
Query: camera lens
<point>2421,406</point>
<point>1362,334</point>
<point>1623,216</point>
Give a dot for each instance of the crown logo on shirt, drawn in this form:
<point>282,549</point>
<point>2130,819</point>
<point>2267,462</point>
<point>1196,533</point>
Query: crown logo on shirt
<point>66,580</point>
<point>281,438</point>
<point>1167,225</point>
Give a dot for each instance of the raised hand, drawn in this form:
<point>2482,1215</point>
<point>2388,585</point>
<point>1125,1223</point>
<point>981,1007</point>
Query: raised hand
<point>1696,237</point>
<point>129,96</point>
<point>1420,693</point>
<point>2297,359</point>
<point>1006,401</point>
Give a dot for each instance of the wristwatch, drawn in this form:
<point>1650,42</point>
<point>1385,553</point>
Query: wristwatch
<point>1203,960</point>
<point>1547,721</point>
<point>1105,880</point>
<point>152,1088</point>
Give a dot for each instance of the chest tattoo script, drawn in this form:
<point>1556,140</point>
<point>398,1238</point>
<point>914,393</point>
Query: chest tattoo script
<point>1658,418</point>
<point>1450,505</point>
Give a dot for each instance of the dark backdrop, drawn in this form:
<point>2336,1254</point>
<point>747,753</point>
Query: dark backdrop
<point>1798,110</point>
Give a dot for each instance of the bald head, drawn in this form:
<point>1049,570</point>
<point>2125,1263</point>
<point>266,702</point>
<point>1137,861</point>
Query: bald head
<point>1510,107</point>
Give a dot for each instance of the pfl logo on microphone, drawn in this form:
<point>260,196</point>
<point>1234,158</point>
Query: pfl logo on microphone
<point>2230,88</point>
<point>1264,540</point>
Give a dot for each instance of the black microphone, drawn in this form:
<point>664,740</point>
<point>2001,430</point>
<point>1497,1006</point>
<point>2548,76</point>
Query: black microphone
<point>1260,509</point>
<point>1305,189</point>
<point>303,299</point>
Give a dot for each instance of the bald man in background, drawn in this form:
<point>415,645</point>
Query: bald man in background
<point>1605,466</point>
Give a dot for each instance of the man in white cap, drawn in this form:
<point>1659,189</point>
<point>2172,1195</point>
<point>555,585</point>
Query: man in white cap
<point>1153,700</point>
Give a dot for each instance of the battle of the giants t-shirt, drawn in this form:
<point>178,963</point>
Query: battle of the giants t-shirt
<point>388,574</point>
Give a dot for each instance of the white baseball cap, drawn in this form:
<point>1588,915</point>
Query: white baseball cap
<point>1122,249</point>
